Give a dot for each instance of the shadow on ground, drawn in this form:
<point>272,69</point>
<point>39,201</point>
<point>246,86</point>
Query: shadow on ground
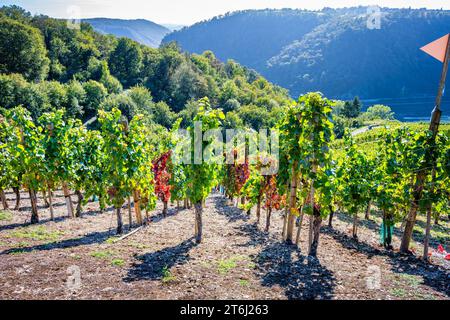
<point>56,219</point>
<point>433,276</point>
<point>153,264</point>
<point>279,264</point>
<point>91,238</point>
<point>170,212</point>
<point>232,213</point>
<point>301,277</point>
<point>417,236</point>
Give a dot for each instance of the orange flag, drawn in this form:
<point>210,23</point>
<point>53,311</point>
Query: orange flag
<point>437,48</point>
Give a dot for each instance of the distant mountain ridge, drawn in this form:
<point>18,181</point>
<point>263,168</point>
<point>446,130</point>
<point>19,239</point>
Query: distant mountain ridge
<point>331,50</point>
<point>140,30</point>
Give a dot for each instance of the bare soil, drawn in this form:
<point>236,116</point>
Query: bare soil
<point>236,260</point>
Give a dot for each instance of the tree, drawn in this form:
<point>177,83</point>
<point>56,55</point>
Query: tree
<point>386,195</point>
<point>142,99</point>
<point>23,50</point>
<point>61,144</point>
<point>253,190</point>
<point>235,174</point>
<point>159,65</point>
<point>177,169</point>
<point>125,62</point>
<point>290,133</point>
<point>24,144</point>
<point>141,151</point>
<point>96,93</point>
<point>273,199</point>
<point>353,180</point>
<point>122,102</point>
<point>100,72</point>
<point>6,170</point>
<point>16,13</point>
<point>186,85</point>
<point>352,109</point>
<point>76,98</point>
<point>113,131</point>
<point>202,177</point>
<point>16,91</point>
<point>231,105</point>
<point>90,172</point>
<point>379,111</point>
<point>162,178</point>
<point>128,162</point>
<point>306,133</point>
<point>162,114</point>
<point>254,116</point>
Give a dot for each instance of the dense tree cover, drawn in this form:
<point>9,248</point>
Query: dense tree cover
<point>23,50</point>
<point>331,50</point>
<point>84,71</point>
<point>251,37</point>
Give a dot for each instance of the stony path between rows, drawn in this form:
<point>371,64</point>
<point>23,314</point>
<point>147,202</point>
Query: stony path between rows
<point>236,260</point>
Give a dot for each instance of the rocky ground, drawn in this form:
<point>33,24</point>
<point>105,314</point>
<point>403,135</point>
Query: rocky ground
<point>81,259</point>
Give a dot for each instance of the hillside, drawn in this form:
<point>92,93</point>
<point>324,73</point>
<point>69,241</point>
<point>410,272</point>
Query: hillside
<point>46,66</point>
<point>140,30</point>
<point>308,51</point>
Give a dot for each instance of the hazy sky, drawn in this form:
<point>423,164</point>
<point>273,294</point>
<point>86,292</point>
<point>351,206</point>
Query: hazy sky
<point>191,11</point>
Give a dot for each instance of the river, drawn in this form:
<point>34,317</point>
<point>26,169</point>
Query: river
<point>412,109</point>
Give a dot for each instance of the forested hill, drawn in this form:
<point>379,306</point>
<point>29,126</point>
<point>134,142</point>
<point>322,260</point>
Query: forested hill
<point>331,50</point>
<point>45,65</point>
<point>140,30</point>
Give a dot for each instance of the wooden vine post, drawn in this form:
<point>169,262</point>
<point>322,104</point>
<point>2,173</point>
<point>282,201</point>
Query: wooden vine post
<point>441,51</point>
<point>292,203</point>
<point>137,206</point>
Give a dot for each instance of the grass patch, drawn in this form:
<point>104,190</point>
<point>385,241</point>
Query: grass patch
<point>39,233</point>
<point>117,262</point>
<point>23,244</point>
<point>440,236</point>
<point>224,266</point>
<point>5,216</point>
<point>102,254</point>
<point>111,240</point>
<point>411,280</point>
<point>167,276</point>
<point>244,283</point>
<point>426,297</point>
<point>138,245</point>
<point>398,292</point>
